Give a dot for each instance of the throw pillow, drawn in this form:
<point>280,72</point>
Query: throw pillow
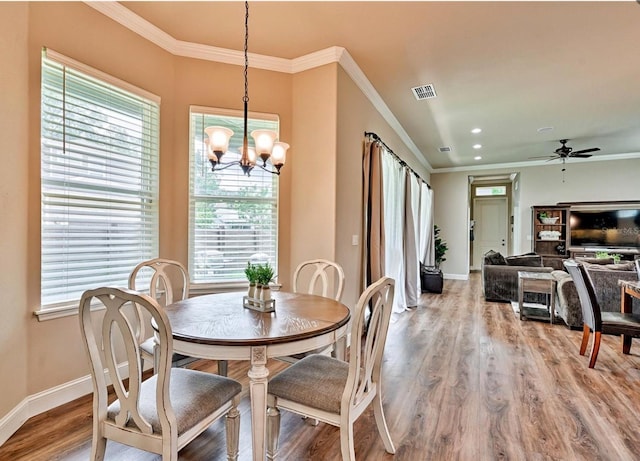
<point>494,258</point>
<point>627,266</point>
<point>595,260</point>
<point>524,260</point>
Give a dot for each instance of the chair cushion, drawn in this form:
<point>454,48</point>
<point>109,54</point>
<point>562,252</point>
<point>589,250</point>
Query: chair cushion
<point>147,348</point>
<point>194,395</point>
<point>317,381</point>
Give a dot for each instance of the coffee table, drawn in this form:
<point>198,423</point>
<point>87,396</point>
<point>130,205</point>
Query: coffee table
<point>536,282</point>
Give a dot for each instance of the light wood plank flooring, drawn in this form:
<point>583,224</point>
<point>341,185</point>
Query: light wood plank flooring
<point>463,380</point>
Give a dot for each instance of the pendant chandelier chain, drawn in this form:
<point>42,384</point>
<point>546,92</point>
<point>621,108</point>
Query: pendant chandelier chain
<point>266,141</point>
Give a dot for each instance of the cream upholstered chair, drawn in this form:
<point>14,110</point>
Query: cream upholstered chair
<point>334,391</point>
<point>163,413</point>
<point>611,323</point>
<point>166,281</point>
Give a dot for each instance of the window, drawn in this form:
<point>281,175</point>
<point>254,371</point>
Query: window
<point>99,188</point>
<point>483,191</point>
<point>233,219</point>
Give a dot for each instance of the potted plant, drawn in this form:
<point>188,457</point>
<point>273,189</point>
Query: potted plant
<point>251,272</point>
<point>440,247</point>
<point>264,275</point>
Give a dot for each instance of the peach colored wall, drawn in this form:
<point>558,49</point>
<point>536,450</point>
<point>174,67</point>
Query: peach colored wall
<point>13,204</point>
<point>313,173</point>
<point>55,353</point>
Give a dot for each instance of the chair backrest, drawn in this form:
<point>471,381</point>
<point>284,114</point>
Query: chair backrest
<point>637,261</point>
<point>117,334</point>
<point>370,324</point>
<point>591,314</point>
<point>165,280</point>
<point>319,277</point>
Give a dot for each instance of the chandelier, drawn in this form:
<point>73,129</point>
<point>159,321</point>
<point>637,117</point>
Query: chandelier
<point>266,145</point>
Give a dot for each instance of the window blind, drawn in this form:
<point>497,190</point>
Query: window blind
<point>99,181</point>
<point>233,218</point>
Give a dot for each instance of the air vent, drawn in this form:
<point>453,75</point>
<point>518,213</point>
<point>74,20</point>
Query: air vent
<point>424,92</point>
<point>444,149</point>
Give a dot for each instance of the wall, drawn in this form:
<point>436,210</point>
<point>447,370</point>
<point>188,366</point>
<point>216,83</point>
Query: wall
<point>538,185</point>
<point>313,172</point>
<point>13,204</point>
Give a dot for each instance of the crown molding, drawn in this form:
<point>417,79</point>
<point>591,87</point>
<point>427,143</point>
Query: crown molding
<point>335,54</point>
<point>497,166</point>
<point>361,80</point>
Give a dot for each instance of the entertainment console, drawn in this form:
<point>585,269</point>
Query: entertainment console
<point>587,228</point>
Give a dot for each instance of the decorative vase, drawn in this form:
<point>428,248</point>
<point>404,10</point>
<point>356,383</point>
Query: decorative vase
<point>252,291</point>
<point>265,293</point>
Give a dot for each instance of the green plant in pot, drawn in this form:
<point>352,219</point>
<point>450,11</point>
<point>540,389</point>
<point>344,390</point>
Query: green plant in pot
<point>251,272</point>
<point>440,247</point>
<point>264,275</point>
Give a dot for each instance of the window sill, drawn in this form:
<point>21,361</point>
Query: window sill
<point>59,311</point>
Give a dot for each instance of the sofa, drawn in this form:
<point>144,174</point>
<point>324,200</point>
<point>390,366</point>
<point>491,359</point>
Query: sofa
<point>604,275</point>
<point>500,276</point>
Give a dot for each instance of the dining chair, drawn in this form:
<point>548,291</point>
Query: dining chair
<point>612,323</point>
<point>337,392</point>
<point>166,281</point>
<point>164,412</point>
<point>317,277</point>
<point>637,262</point>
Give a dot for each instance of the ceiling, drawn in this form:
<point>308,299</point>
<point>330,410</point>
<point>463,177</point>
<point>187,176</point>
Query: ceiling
<point>509,68</point>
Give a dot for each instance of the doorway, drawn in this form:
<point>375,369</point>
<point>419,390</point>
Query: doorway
<point>491,211</point>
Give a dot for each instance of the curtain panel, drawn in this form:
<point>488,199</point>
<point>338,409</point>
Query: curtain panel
<point>397,223</point>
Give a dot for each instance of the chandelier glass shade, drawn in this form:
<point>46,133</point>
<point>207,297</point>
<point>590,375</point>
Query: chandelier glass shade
<point>267,146</point>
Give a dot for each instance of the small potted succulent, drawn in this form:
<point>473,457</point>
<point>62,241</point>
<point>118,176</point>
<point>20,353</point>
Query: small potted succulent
<point>251,272</point>
<point>264,275</point>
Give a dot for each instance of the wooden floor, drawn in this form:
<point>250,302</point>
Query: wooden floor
<point>463,380</point>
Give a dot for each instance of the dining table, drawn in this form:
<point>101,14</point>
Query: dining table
<point>218,327</point>
<point>629,289</point>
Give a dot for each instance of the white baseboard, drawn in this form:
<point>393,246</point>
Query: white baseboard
<point>455,276</point>
<point>47,400</point>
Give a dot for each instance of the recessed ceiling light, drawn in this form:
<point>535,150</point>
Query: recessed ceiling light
<point>477,146</point>
<point>477,157</point>
<point>476,130</point>
<point>544,129</point>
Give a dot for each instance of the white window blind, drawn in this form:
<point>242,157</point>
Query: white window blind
<point>99,180</point>
<point>233,218</point>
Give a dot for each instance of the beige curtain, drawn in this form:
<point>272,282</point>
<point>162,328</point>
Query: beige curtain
<point>411,239</point>
<point>373,225</point>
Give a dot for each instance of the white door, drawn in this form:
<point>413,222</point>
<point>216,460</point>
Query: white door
<point>491,227</point>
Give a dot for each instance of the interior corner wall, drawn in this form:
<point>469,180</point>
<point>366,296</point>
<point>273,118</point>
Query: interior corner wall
<point>537,185</point>
<point>312,166</point>
<point>13,204</point>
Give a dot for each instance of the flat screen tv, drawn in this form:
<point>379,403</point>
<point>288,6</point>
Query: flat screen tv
<point>611,228</point>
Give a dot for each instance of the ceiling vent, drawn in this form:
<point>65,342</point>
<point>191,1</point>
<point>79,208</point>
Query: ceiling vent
<point>444,149</point>
<point>424,92</point>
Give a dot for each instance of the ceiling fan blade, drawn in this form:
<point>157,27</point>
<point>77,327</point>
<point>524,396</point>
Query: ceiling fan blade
<point>550,157</point>
<point>584,151</point>
<point>580,155</point>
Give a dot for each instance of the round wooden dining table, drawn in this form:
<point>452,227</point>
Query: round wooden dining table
<point>218,327</point>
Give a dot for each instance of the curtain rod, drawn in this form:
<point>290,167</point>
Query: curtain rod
<point>395,156</point>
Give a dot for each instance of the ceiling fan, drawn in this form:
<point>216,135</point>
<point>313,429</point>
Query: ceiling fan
<point>563,152</point>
